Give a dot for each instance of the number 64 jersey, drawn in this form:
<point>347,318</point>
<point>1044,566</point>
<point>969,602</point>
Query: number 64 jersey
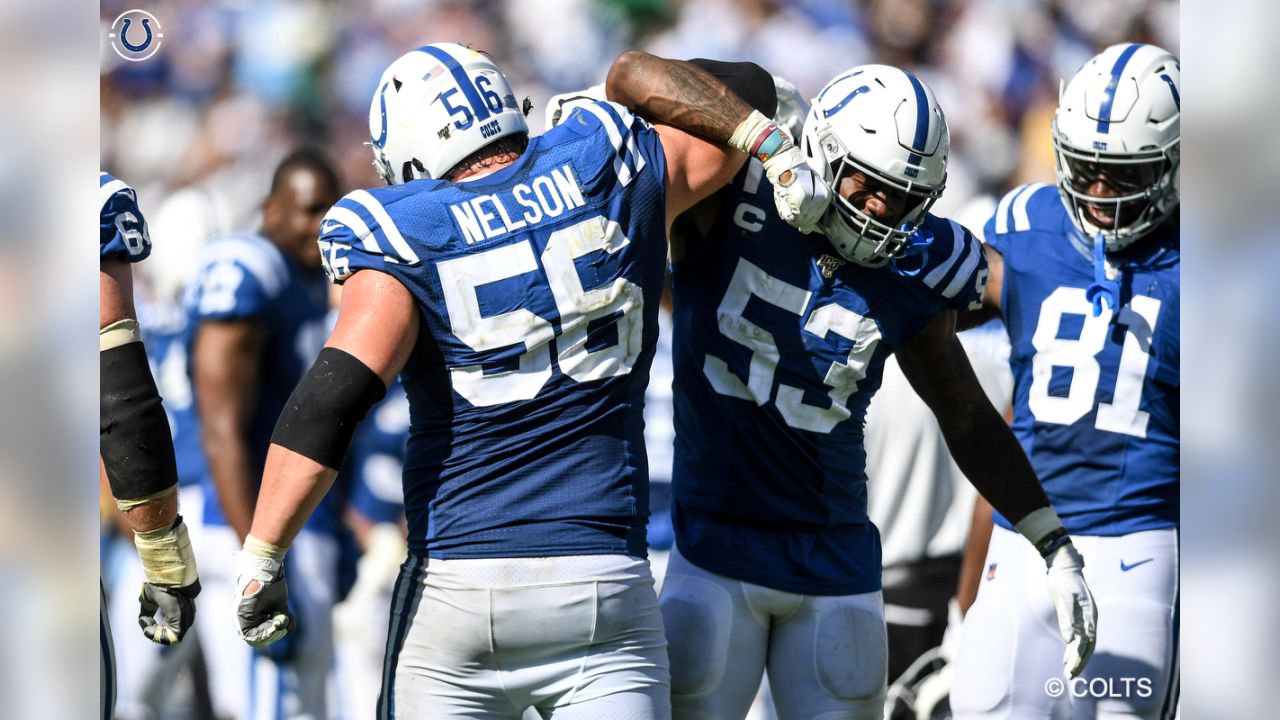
<point>1095,398</point>
<point>537,289</point>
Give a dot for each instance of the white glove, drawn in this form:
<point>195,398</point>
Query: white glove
<point>262,600</point>
<point>560,106</point>
<point>798,192</point>
<point>1077,615</point>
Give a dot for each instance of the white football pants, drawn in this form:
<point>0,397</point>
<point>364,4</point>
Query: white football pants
<point>575,638</point>
<point>1010,660</point>
<point>827,656</point>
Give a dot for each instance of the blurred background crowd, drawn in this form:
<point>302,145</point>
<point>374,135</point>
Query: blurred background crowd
<point>199,128</point>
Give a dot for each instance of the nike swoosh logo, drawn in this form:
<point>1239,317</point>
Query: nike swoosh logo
<point>329,226</point>
<point>1127,568</point>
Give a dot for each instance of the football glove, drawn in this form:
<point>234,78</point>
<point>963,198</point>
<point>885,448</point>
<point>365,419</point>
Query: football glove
<point>799,194</point>
<point>1077,614</point>
<point>262,599</point>
<point>171,583</point>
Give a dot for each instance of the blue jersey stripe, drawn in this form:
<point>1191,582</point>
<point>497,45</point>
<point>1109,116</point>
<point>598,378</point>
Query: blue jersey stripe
<point>1104,113</point>
<point>460,76</point>
<point>626,150</point>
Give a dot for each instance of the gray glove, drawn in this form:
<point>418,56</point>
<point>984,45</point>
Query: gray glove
<point>262,600</point>
<point>177,608</point>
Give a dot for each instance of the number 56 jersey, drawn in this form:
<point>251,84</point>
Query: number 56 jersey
<point>1095,398</point>
<point>779,347</point>
<point>537,289</point>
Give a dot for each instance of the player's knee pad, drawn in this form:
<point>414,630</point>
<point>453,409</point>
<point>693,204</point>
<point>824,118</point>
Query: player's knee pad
<point>851,651</point>
<point>697,615</point>
<point>984,670</point>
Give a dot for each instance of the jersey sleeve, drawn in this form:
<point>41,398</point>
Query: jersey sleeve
<point>956,268</point>
<point>236,281</point>
<point>1011,217</point>
<point>122,228</point>
<point>624,147</point>
<point>358,233</point>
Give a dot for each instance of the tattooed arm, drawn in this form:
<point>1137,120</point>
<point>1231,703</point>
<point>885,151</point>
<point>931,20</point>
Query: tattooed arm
<point>682,95</point>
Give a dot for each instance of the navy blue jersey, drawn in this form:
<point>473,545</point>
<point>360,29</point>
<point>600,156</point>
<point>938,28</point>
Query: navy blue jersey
<point>164,335</point>
<point>779,346</point>
<point>537,288</point>
<point>376,459</point>
<point>247,278</point>
<point>1095,398</point>
<point>121,228</point>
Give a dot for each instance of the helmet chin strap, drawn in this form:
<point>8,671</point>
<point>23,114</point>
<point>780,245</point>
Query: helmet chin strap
<point>1101,287</point>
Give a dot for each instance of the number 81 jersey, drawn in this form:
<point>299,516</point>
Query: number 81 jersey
<point>1095,398</point>
<point>537,288</point>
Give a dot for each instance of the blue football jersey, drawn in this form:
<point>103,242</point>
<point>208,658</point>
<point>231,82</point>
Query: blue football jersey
<point>1095,398</point>
<point>376,459</point>
<point>537,288</point>
<point>245,277</point>
<point>122,229</point>
<point>164,335</point>
<point>779,346</point>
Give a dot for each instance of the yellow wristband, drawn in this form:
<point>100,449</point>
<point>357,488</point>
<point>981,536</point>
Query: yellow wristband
<point>254,546</point>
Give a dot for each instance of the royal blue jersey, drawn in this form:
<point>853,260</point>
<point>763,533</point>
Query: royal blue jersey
<point>247,278</point>
<point>537,288</point>
<point>1095,398</point>
<point>122,229</point>
<point>376,459</point>
<point>779,346</point>
<point>164,335</point>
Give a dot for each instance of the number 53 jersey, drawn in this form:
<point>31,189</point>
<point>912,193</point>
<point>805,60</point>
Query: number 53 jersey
<point>1095,398</point>
<point>778,348</point>
<point>537,289</point>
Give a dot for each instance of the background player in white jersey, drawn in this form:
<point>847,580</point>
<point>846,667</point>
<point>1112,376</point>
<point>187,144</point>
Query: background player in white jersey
<point>1085,276</point>
<point>515,281</point>
<point>136,448</point>
<point>779,346</point>
<point>256,310</point>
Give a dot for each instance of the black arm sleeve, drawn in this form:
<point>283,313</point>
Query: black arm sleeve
<point>133,432</point>
<point>324,410</point>
<point>747,80</point>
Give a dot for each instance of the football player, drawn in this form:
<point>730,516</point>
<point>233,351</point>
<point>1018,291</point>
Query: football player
<point>780,342</point>
<point>256,311</point>
<point>515,282</point>
<point>134,439</point>
<point>1085,276</point>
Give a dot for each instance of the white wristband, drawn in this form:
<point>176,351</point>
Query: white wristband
<point>1037,525</point>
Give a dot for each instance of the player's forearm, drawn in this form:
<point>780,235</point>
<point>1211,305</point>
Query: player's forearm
<point>975,554</point>
<point>292,487</point>
<point>989,455</point>
<point>153,514</point>
<point>677,93</point>
<point>229,466</point>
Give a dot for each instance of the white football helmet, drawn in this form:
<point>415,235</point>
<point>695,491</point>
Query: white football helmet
<point>885,123</point>
<point>435,106</point>
<point>1119,115</point>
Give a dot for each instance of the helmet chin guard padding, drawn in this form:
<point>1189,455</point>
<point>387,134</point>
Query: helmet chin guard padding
<point>1119,117</point>
<point>435,106</point>
<point>885,123</point>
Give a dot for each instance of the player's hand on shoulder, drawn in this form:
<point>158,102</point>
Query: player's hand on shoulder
<point>262,599</point>
<point>1073,602</point>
